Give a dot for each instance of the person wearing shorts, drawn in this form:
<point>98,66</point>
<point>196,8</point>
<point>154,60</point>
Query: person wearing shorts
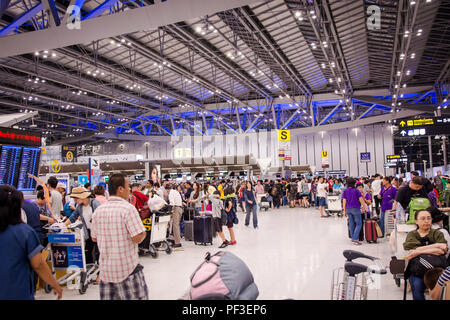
<point>322,189</point>
<point>217,207</point>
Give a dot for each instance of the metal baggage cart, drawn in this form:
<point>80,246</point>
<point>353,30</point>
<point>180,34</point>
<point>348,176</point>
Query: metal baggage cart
<point>334,205</point>
<point>158,234</point>
<point>351,281</point>
<point>67,254</point>
<point>389,222</point>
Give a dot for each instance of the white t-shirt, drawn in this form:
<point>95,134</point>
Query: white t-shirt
<point>321,190</point>
<point>56,203</point>
<point>299,187</point>
<point>376,187</point>
<point>87,215</point>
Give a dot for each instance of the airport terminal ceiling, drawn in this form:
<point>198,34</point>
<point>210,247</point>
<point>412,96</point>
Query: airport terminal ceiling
<point>239,67</point>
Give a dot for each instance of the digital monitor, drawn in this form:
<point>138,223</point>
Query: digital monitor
<point>9,164</point>
<point>29,163</point>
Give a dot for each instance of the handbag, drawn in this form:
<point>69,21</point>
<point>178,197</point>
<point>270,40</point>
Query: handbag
<point>144,212</point>
<point>379,232</point>
<point>419,265</point>
<point>224,217</point>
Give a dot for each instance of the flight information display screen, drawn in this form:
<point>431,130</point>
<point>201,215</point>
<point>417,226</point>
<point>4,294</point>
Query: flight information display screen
<point>9,164</point>
<point>16,163</point>
<point>28,164</point>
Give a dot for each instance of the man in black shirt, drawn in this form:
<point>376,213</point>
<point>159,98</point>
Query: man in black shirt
<point>415,188</point>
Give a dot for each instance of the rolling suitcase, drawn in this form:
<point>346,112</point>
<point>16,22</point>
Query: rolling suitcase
<point>188,213</point>
<point>370,230</point>
<point>203,231</point>
<point>189,230</point>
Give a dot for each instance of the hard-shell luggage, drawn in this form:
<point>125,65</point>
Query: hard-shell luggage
<point>370,230</point>
<point>189,230</point>
<point>189,213</point>
<point>203,229</point>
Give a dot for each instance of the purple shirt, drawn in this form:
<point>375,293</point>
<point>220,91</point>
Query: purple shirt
<point>387,197</point>
<point>352,196</point>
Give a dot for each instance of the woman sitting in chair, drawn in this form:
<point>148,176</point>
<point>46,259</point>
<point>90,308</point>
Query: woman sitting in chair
<point>424,240</point>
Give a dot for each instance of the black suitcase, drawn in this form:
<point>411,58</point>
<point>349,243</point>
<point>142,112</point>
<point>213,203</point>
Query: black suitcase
<point>188,213</point>
<point>203,231</point>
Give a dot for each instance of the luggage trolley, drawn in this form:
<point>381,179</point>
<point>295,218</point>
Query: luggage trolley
<point>67,254</point>
<point>351,282</point>
<point>334,205</point>
<point>158,234</point>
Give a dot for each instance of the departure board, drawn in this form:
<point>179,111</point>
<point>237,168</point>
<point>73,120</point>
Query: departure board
<point>10,164</point>
<point>28,164</point>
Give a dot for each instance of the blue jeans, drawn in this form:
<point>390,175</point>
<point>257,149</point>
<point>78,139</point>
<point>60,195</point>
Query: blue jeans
<point>355,222</point>
<point>417,287</point>
<point>255,217</point>
<point>382,221</point>
<point>316,200</point>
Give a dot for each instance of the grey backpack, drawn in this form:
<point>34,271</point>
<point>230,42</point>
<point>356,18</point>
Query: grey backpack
<point>222,276</point>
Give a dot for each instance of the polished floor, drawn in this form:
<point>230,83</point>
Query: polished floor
<point>292,255</point>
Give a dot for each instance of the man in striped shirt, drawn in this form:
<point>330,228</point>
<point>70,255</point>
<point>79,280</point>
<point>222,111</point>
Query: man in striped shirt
<point>118,229</point>
<point>436,291</point>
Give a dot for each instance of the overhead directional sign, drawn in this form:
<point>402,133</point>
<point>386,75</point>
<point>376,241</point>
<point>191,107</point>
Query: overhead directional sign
<point>396,158</point>
<point>424,126</point>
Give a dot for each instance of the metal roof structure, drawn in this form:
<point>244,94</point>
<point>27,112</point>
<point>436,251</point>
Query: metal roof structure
<point>256,65</point>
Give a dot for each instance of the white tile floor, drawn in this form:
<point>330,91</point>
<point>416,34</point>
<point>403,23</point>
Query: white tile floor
<point>291,255</point>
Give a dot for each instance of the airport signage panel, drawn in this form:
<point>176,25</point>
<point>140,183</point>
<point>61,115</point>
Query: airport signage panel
<point>20,137</point>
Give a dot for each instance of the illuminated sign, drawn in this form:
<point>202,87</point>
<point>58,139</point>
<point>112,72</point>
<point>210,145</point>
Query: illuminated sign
<point>417,122</point>
<point>19,137</point>
<point>284,135</point>
<point>396,158</point>
<point>68,153</point>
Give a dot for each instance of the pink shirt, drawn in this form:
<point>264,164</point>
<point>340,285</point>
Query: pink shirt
<point>101,199</point>
<point>113,225</point>
<point>259,189</point>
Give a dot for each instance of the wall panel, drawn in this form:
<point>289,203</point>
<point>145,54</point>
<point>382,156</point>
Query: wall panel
<point>361,147</point>
<point>335,162</point>
<point>352,153</point>
<point>343,146</point>
<point>370,147</point>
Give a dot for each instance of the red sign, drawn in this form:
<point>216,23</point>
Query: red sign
<point>19,137</point>
<point>287,158</point>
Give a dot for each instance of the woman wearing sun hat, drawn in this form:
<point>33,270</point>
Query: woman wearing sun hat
<point>86,206</point>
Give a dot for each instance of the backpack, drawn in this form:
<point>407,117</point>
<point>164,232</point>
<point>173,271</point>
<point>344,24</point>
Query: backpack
<point>415,205</point>
<point>293,188</point>
<point>142,207</point>
<point>274,191</point>
<point>222,276</point>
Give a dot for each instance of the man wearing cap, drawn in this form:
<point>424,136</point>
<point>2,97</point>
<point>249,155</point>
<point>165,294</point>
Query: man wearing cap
<point>86,206</point>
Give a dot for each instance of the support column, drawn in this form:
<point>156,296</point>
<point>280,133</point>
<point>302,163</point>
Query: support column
<point>444,150</point>
<point>430,154</point>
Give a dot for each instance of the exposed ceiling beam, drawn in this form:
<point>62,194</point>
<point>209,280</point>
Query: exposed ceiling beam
<point>144,18</point>
<point>357,123</point>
